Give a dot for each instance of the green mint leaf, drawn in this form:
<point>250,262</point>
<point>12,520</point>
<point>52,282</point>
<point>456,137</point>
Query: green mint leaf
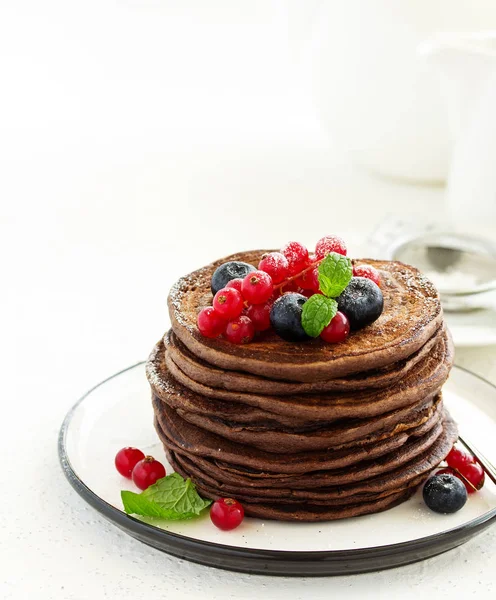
<point>318,312</point>
<point>138,504</point>
<point>171,497</point>
<point>175,493</point>
<point>335,273</point>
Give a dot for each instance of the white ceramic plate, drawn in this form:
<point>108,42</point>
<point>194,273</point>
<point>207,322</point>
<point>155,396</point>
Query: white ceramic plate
<point>118,413</point>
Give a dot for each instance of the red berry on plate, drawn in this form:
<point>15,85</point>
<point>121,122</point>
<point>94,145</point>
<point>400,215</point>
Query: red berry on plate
<point>276,265</point>
<point>240,330</point>
<point>226,513</point>
<point>210,323</point>
<point>228,303</point>
<point>235,283</point>
<point>309,280</point>
<point>257,287</point>
<point>369,272</point>
<point>330,243</point>
<point>458,458</point>
<point>126,459</point>
<point>147,472</point>
<point>260,315</point>
<point>297,256</point>
<point>475,474</point>
<point>446,471</point>
<point>337,330</point>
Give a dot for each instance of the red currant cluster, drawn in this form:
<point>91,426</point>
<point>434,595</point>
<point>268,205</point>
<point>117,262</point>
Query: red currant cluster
<point>465,467</point>
<point>143,470</point>
<point>242,307</point>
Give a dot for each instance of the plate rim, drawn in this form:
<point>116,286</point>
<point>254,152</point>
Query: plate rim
<point>357,560</point>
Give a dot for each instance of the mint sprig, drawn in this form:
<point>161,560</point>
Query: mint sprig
<point>171,497</point>
<point>335,273</point>
<point>318,312</point>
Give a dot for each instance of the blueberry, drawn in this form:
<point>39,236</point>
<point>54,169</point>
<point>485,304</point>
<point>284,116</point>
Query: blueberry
<point>444,493</point>
<point>285,317</point>
<point>228,271</point>
<point>362,302</point>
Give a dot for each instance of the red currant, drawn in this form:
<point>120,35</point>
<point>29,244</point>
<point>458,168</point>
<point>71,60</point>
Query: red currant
<point>240,330</point>
<point>369,272</point>
<point>297,256</point>
<point>228,303</point>
<point>126,459</point>
<point>147,471</point>
<point>330,243</point>
<point>235,283</point>
<point>446,471</point>
<point>276,265</point>
<point>306,293</point>
<point>257,287</point>
<point>337,330</point>
<point>260,315</point>
<point>458,459</point>
<point>210,323</point>
<point>226,513</point>
<point>309,280</point>
<point>290,286</point>
<point>475,474</point>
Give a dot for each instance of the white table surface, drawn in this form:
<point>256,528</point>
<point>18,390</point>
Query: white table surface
<point>100,213</point>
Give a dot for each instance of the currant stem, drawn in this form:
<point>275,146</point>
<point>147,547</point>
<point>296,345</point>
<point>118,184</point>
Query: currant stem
<point>464,478</point>
<point>293,277</point>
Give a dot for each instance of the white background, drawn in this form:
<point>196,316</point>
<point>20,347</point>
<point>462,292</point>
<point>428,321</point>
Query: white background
<point>139,140</point>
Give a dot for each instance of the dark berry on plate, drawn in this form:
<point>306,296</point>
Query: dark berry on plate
<point>257,287</point>
<point>234,269</point>
<point>147,472</point>
<point>240,330</point>
<point>276,265</point>
<point>328,244</point>
<point>369,272</point>
<point>297,256</point>
<point>361,302</point>
<point>226,513</point>
<point>260,315</point>
<point>210,323</point>
<point>444,493</point>
<point>228,303</point>
<point>337,330</point>
<point>126,459</point>
<point>285,317</point>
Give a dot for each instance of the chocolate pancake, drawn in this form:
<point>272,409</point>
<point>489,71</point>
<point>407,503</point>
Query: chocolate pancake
<point>378,487</point>
<point>412,314</point>
<point>320,502</point>
<point>390,474</point>
<point>289,512</point>
<point>422,381</point>
<point>342,434</point>
<point>214,377</point>
<point>181,436</point>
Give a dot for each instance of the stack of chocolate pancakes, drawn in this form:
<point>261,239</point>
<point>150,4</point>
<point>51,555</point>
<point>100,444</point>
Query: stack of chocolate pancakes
<point>307,431</point>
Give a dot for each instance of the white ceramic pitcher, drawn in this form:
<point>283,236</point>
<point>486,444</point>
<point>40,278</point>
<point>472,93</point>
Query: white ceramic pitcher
<point>467,69</point>
<point>373,94</point>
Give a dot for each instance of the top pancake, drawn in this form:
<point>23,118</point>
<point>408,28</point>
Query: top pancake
<point>412,314</point>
